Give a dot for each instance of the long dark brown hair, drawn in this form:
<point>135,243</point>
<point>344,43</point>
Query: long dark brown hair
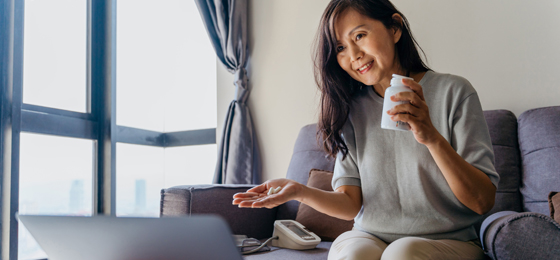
<point>336,85</point>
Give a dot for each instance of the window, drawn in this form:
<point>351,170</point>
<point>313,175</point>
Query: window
<point>157,90</point>
<point>101,100</point>
<point>54,61</point>
<point>143,170</point>
<point>159,67</point>
<point>55,177</point>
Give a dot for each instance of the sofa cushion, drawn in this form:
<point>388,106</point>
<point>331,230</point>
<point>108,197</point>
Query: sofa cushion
<point>554,205</point>
<point>217,199</point>
<point>319,253</point>
<point>539,141</point>
<point>326,227</point>
<point>502,125</point>
<point>307,155</point>
<point>526,235</point>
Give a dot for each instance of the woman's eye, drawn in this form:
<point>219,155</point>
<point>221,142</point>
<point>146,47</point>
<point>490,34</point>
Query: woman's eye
<point>359,36</point>
<point>339,48</point>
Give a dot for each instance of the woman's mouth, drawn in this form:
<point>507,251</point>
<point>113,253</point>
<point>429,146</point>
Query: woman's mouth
<point>365,68</point>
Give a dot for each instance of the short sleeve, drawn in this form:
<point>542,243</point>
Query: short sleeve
<point>346,171</point>
<point>471,139</point>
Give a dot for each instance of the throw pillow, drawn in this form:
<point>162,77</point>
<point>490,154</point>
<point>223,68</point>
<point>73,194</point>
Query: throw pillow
<point>326,227</point>
<point>554,205</point>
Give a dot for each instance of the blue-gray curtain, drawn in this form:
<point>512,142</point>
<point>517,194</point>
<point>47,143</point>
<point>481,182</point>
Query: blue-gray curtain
<point>238,156</point>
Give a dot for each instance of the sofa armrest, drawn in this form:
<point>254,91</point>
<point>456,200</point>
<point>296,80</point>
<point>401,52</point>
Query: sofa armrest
<point>527,235</point>
<point>217,199</point>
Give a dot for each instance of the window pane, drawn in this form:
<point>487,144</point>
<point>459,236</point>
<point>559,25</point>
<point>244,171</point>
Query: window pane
<point>166,67</point>
<point>56,178</point>
<point>55,49</point>
<point>190,165</point>
<point>139,180</point>
<point>142,171</point>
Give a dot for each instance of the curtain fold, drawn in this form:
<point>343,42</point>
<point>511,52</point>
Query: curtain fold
<point>238,155</point>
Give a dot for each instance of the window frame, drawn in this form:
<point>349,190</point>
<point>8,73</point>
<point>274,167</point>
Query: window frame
<point>98,124</point>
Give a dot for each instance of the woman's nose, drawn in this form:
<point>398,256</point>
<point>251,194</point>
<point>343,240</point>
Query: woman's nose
<point>355,52</point>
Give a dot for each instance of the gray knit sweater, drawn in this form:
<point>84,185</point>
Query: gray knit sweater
<point>404,191</point>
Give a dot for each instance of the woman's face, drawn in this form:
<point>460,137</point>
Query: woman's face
<point>366,48</point>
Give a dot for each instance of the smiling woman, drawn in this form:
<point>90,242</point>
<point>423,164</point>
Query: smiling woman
<point>369,44</point>
<point>380,40</point>
<point>412,194</point>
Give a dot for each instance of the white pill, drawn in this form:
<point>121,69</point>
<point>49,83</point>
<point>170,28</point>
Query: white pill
<point>274,190</point>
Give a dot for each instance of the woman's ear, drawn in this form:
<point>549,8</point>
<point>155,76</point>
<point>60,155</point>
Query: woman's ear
<point>397,29</point>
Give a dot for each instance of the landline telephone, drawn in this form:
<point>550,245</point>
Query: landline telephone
<point>287,234</point>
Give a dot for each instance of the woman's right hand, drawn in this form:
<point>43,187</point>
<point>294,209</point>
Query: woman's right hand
<point>258,197</point>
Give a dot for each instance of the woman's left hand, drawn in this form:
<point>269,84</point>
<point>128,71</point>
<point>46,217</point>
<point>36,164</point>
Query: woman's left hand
<point>415,113</point>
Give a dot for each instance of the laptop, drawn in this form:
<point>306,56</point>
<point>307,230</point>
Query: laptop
<point>123,238</point>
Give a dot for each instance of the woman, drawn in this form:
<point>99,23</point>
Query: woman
<point>412,195</point>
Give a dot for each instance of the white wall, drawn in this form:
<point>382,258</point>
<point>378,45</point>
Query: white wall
<point>506,48</point>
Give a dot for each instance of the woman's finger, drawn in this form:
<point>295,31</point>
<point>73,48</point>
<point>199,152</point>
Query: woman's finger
<point>253,204</point>
<point>269,201</point>
<point>417,88</point>
<point>246,195</point>
<point>407,118</point>
<point>258,189</point>
<point>239,200</point>
<point>246,204</point>
<point>405,109</point>
<point>411,97</point>
<point>262,200</point>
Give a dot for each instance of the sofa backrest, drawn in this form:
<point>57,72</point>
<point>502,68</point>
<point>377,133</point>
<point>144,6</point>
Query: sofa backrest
<point>502,125</point>
<point>307,155</point>
<point>539,141</point>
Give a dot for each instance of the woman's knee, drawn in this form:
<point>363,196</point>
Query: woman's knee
<point>356,245</point>
<point>409,248</point>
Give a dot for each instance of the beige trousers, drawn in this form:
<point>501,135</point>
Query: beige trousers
<point>358,245</point>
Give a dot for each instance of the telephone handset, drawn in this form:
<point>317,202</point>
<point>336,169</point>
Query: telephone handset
<point>287,234</point>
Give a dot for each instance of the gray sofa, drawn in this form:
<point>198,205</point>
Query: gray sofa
<point>527,154</point>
